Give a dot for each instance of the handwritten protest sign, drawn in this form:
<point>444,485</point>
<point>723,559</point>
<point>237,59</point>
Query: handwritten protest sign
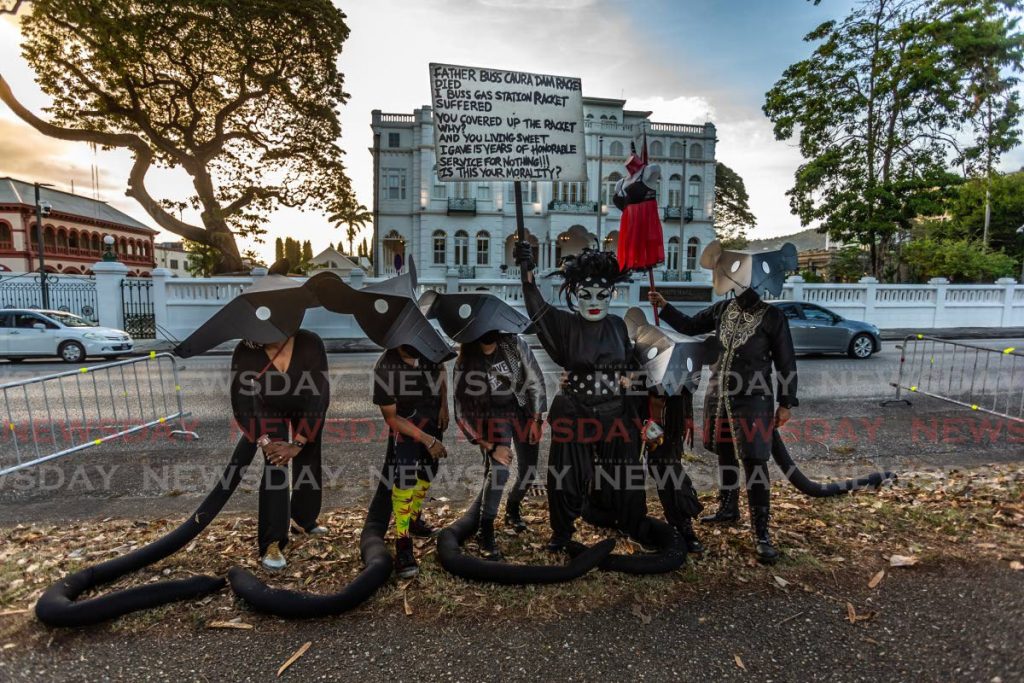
<point>507,125</point>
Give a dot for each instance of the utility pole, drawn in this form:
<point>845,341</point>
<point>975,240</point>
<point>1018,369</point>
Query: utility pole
<point>376,201</point>
<point>600,187</point>
<point>44,286</point>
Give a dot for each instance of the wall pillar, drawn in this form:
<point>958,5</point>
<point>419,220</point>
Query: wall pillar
<point>451,281</point>
<point>941,284</point>
<point>796,287</point>
<point>1009,285</point>
<point>160,277</point>
<point>870,296</point>
<point>109,275</point>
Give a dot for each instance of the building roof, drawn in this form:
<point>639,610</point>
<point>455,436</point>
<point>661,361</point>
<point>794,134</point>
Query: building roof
<point>13,191</point>
<point>343,261</point>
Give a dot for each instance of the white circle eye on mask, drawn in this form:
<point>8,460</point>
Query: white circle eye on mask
<point>734,267</point>
<point>381,306</point>
<point>263,313</point>
<point>652,353</point>
<point>689,365</point>
<point>465,310</point>
<point>765,267</point>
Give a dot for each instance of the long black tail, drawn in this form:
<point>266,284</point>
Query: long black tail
<point>449,553</point>
<point>670,550</point>
<point>57,606</point>
<point>816,489</point>
<point>377,566</point>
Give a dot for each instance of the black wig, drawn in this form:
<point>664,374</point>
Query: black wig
<point>589,268</point>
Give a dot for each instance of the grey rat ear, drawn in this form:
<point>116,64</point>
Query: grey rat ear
<point>710,256</point>
<point>789,256</point>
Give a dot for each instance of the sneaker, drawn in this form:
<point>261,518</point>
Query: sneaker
<point>421,529</point>
<point>405,561</point>
<point>318,531</point>
<point>274,559</point>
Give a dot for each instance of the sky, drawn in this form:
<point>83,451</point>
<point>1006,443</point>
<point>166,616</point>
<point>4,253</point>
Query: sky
<point>687,61</point>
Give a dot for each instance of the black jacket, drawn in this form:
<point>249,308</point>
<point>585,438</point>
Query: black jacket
<point>768,342</point>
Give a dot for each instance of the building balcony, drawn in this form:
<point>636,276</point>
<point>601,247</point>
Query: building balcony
<point>461,205</point>
<point>466,272</point>
<point>672,213</point>
<point>572,207</point>
<point>678,276</point>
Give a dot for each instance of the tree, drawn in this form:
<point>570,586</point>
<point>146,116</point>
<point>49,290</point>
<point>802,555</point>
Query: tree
<point>1005,194</point>
<point>242,95</point>
<point>732,209</point>
<point>352,214</point>
<point>202,259</point>
<point>278,249</point>
<point>876,112</point>
<point>960,260</point>
<point>848,265</point>
<point>307,251</point>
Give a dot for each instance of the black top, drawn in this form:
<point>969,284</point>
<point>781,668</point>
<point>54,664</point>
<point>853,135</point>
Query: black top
<point>268,401</point>
<point>595,353</point>
<point>764,340</point>
<point>416,391</point>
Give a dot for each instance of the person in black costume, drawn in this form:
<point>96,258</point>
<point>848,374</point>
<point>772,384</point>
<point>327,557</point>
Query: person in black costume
<point>740,410</point>
<point>595,439</point>
<point>279,395</point>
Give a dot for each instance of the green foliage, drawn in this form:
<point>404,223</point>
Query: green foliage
<point>879,109</point>
<point>732,208</point>
<point>967,212</point>
<point>202,259</point>
<point>849,264</point>
<point>960,260</point>
<point>351,214</point>
<point>243,95</point>
<point>307,251</point>
<point>278,249</point>
<point>811,276</point>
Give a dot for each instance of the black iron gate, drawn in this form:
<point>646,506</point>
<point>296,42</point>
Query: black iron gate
<point>70,293</point>
<point>137,307</point>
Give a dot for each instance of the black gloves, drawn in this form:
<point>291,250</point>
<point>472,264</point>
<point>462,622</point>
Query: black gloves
<point>522,253</point>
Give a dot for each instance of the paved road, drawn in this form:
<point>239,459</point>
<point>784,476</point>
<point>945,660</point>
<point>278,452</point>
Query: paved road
<point>839,429</point>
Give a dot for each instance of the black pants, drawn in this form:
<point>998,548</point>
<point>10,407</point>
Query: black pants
<point>297,498</point>
<point>751,435</point>
<point>526,460</point>
<point>594,461</point>
<point>675,489</point>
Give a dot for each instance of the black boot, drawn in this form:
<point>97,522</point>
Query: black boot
<point>419,528</point>
<point>513,518</point>
<point>405,561</point>
<point>485,539</point>
<point>557,543</point>
<point>693,544</point>
<point>728,510</point>
<point>766,552</point>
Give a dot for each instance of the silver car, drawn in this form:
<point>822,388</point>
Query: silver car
<point>27,333</point>
<point>818,330</point>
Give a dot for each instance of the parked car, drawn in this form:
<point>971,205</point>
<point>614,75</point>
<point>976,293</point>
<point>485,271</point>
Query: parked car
<point>30,333</point>
<point>818,330</point>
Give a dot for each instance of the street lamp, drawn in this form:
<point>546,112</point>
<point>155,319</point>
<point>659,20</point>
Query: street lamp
<point>42,209</point>
<point>108,248</point>
<point>1020,232</point>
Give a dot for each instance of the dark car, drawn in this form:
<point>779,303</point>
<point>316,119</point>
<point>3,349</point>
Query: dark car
<point>818,330</point>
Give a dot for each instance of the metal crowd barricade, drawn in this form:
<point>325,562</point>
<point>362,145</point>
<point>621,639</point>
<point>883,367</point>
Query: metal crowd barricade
<point>977,377</point>
<point>66,412</point>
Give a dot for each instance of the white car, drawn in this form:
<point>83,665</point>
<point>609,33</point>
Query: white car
<point>29,333</point>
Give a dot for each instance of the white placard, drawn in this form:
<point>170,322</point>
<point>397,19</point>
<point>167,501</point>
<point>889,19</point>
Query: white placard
<point>507,125</point>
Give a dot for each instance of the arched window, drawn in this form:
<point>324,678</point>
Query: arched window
<point>612,117</point>
<point>693,192</point>
<point>692,249</point>
<point>74,242</point>
<point>440,247</point>
<point>590,117</point>
<point>616,149</point>
<point>604,117</point>
<point>676,150</point>
<point>483,248</point>
<point>672,254</point>
<point>461,248</point>
<point>656,149</point>
<point>96,243</point>
<point>675,190</point>
<point>696,151</point>
<point>609,188</point>
<point>49,238</point>
<point>6,236</point>
<point>62,240</point>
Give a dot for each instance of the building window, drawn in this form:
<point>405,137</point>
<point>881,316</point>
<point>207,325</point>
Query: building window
<point>656,149</point>
<point>174,264</point>
<point>609,188</point>
<point>6,236</point>
<point>693,193</point>
<point>616,149</point>
<point>394,140</point>
<point>461,248</point>
<point>692,248</point>
<point>440,247</point>
<point>440,191</point>
<point>675,190</point>
<point>462,190</point>
<point>696,151</point>
<point>676,150</point>
<point>483,248</point>
<point>483,193</point>
<point>570,192</point>
<point>672,255</point>
<point>529,193</point>
<point>394,183</point>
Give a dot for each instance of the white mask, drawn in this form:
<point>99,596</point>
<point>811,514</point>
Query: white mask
<point>593,301</point>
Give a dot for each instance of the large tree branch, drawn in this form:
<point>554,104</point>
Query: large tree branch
<point>14,8</point>
<point>143,160</point>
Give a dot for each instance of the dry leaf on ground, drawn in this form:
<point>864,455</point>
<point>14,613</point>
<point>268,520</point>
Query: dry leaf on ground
<point>294,658</point>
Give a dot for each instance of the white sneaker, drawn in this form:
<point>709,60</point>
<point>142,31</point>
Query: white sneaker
<point>319,531</point>
<point>274,559</point>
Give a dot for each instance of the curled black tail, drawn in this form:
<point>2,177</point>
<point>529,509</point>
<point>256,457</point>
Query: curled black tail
<point>377,566</point>
<point>57,606</point>
<point>449,553</point>
<point>670,550</point>
<point>816,489</point>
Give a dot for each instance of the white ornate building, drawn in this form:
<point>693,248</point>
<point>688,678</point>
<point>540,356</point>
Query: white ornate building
<point>471,226</point>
